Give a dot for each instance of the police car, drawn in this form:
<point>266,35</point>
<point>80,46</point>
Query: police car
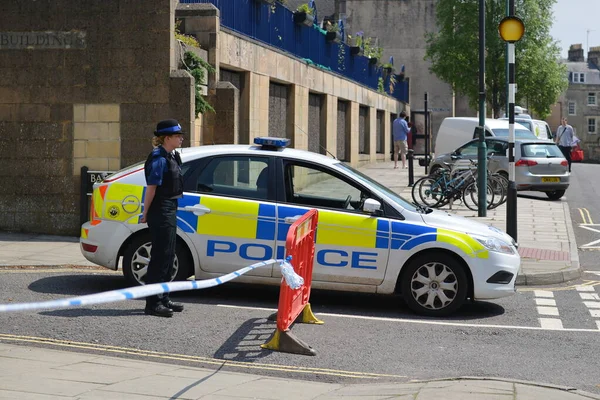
<point>240,200</point>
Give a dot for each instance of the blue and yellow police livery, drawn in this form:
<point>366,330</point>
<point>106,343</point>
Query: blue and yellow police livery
<point>240,201</point>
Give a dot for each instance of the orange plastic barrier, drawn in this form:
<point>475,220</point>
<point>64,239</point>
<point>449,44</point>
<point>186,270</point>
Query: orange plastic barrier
<point>300,244</point>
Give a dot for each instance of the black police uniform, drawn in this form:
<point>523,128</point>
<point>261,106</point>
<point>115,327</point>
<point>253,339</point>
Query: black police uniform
<point>162,223</point>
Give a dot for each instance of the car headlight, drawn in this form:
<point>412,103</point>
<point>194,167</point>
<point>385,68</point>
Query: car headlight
<point>495,244</point>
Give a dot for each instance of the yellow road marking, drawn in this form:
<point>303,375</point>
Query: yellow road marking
<point>196,359</point>
<point>586,217</point>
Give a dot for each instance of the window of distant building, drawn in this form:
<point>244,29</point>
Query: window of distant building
<point>578,77</point>
<point>591,99</point>
<point>592,126</point>
<point>572,110</point>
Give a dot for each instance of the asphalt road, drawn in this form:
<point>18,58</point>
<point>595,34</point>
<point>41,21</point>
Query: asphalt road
<point>364,337</point>
<point>583,197</point>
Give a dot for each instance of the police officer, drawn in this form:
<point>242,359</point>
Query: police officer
<point>164,186</point>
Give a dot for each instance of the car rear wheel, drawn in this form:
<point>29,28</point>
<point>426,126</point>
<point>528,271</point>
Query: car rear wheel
<point>555,194</point>
<point>136,258</point>
<point>434,284</point>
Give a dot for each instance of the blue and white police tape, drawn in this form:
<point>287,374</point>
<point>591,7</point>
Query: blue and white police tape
<point>292,279</point>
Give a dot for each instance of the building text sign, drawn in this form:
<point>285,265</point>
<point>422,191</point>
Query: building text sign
<point>42,40</point>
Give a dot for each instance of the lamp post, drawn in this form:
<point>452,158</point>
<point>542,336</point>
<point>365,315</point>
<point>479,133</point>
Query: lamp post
<point>511,30</point>
<point>481,146</point>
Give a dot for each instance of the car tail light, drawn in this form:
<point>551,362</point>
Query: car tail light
<point>525,163</point>
<point>564,163</point>
<point>90,248</point>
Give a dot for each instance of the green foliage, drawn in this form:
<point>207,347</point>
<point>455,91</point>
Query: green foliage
<point>371,50</point>
<point>329,27</point>
<point>355,40</point>
<point>305,8</point>
<point>187,39</point>
<point>342,58</point>
<point>380,87</point>
<point>454,53</point>
<point>196,66</point>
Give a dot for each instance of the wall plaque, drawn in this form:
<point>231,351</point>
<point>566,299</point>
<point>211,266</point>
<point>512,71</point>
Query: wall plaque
<point>42,40</point>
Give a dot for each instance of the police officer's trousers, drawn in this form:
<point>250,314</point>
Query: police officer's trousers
<point>162,221</point>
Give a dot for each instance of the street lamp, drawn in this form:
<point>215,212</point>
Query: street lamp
<point>511,30</point>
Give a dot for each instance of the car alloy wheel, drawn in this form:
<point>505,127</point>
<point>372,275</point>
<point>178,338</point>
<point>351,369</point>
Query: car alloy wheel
<point>137,257</point>
<point>434,284</point>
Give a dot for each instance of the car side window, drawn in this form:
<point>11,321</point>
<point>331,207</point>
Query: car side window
<point>497,147</point>
<point>469,149</point>
<point>315,187</point>
<point>235,176</point>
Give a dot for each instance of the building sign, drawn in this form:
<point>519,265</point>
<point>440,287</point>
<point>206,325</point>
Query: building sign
<point>42,40</point>
<point>95,177</point>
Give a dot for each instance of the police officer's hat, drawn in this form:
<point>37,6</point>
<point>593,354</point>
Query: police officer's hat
<point>168,127</point>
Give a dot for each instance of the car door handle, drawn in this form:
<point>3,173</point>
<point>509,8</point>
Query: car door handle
<point>197,209</point>
<point>291,220</point>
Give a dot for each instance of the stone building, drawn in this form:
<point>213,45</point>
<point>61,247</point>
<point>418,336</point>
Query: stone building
<point>400,28</point>
<point>84,83</point>
<point>580,104</point>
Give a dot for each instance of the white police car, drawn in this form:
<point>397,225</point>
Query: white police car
<point>240,201</point>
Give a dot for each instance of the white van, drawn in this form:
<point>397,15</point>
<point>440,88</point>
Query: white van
<point>456,131</point>
<point>538,127</point>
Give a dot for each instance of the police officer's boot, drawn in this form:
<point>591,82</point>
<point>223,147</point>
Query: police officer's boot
<point>177,307</point>
<point>158,309</point>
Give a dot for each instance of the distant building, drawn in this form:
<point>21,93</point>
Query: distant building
<point>580,103</point>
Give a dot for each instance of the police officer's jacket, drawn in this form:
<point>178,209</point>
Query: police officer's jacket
<point>172,180</point>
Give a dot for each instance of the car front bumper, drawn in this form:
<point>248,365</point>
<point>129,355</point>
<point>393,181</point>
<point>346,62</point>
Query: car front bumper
<point>495,276</point>
<point>107,237</point>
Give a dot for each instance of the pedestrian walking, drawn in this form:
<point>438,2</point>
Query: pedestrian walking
<point>164,186</point>
<point>564,139</point>
<point>400,134</point>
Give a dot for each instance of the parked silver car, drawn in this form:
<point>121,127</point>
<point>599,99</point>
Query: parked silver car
<point>539,164</point>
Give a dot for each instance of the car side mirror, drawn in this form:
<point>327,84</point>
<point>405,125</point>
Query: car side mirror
<point>371,206</point>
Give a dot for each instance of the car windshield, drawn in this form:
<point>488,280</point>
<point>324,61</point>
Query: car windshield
<point>540,150</point>
<point>359,176</point>
<point>519,133</point>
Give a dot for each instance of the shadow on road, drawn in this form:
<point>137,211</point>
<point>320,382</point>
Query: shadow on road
<point>257,296</point>
<point>244,343</point>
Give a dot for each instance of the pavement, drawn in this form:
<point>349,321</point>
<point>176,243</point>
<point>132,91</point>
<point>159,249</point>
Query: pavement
<point>549,255</point>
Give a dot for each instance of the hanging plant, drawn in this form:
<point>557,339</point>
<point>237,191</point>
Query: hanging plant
<point>356,44</point>
<point>196,67</point>
<point>333,34</point>
<point>304,15</point>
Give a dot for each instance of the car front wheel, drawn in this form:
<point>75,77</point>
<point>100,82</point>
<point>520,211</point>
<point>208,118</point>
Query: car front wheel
<point>136,258</point>
<point>434,284</point>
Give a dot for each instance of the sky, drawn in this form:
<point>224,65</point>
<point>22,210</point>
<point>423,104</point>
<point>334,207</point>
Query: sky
<point>572,18</point>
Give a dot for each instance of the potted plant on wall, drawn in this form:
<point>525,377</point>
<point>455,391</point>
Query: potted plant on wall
<point>356,44</point>
<point>333,34</point>
<point>388,68</point>
<point>372,51</point>
<point>304,15</point>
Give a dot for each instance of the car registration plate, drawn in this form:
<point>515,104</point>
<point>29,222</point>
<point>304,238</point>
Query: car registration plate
<point>550,179</point>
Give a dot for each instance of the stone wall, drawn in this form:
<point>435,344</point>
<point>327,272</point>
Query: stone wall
<point>81,83</point>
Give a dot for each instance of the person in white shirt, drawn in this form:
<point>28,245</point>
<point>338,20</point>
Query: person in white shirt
<point>564,139</point>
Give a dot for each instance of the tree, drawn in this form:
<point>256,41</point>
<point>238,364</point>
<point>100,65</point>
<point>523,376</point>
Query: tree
<point>454,53</point>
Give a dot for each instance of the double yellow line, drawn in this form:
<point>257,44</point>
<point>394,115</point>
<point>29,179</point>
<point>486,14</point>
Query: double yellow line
<point>194,359</point>
<point>585,216</point>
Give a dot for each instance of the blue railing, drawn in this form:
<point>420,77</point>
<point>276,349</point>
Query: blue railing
<point>274,26</point>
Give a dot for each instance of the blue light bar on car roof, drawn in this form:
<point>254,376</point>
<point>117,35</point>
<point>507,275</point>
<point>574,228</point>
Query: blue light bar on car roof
<point>272,141</point>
